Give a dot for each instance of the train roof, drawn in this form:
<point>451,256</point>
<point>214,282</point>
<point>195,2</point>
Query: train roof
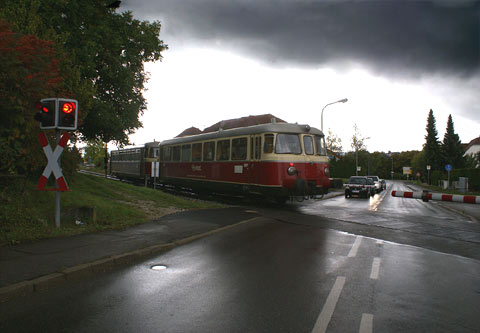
<point>250,130</point>
<point>148,144</point>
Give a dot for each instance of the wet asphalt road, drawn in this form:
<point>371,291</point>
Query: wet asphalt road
<point>289,270</point>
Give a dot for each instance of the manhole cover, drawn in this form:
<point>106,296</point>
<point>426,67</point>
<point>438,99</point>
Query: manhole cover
<point>158,267</point>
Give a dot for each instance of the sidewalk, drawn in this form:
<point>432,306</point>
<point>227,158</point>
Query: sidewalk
<point>28,268</point>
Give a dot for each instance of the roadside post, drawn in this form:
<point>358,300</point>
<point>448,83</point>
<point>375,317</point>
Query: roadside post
<point>59,114</point>
<point>428,176</point>
<point>448,167</point>
<point>155,173</point>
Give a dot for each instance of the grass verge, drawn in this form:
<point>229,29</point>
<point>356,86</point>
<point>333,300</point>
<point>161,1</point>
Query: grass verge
<point>93,204</point>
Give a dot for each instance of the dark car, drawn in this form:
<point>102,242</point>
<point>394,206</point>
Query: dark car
<point>360,186</point>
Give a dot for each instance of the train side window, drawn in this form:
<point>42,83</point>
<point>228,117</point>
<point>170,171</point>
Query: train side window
<point>239,149</point>
<point>308,144</point>
<point>258,145</point>
<point>155,152</point>
<point>186,152</point>
<point>176,153</point>
<point>223,150</point>
<point>320,145</point>
<point>196,152</point>
<point>167,154</point>
<point>208,151</point>
<point>268,145</point>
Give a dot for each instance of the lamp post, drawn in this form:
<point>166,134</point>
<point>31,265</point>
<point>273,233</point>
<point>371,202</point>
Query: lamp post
<point>339,101</point>
<point>391,172</point>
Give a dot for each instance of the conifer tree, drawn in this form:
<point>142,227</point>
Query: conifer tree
<point>431,147</point>
<point>452,150</point>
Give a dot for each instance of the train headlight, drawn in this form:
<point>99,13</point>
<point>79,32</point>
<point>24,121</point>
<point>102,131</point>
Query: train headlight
<point>327,172</point>
<point>291,170</point>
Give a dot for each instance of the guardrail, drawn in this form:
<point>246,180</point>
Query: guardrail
<point>426,196</point>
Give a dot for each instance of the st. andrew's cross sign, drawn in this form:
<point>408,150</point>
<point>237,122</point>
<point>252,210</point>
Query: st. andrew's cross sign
<point>53,166</point>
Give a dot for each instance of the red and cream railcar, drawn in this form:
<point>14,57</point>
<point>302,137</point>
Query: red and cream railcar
<point>276,160</point>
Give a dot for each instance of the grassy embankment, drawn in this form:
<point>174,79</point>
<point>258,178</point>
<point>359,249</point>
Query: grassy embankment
<point>27,215</point>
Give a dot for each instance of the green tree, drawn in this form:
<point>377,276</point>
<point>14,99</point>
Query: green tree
<point>380,164</point>
<point>358,141</point>
<point>102,55</point>
<point>334,143</point>
<point>95,152</point>
<point>472,161</point>
<point>418,165</point>
<point>431,147</point>
<point>358,144</point>
<point>452,149</point>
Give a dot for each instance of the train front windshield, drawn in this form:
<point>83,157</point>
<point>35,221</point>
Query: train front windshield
<point>288,144</point>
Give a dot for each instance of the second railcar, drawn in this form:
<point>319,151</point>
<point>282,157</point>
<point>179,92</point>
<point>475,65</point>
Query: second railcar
<point>276,160</point>
<point>134,163</point>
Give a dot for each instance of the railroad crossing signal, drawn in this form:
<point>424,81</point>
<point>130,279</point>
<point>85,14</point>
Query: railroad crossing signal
<point>60,113</point>
<point>47,113</point>
<point>52,166</point>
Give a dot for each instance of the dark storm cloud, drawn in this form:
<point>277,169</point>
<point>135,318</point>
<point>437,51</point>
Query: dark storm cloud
<point>409,37</point>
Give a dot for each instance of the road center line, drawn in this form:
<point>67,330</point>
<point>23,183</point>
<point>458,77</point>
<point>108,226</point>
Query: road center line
<point>366,324</point>
<point>355,246</point>
<point>324,318</point>
<point>375,268</point>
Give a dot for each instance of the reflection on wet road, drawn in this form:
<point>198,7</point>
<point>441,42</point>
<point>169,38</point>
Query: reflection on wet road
<point>386,211</point>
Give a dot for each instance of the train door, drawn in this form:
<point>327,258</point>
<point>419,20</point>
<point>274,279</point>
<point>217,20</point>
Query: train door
<point>254,167</point>
<point>311,167</point>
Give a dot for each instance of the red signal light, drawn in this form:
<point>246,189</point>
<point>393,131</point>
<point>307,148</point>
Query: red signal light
<point>68,107</point>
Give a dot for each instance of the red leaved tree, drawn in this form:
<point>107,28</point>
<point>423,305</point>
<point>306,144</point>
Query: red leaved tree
<point>28,72</point>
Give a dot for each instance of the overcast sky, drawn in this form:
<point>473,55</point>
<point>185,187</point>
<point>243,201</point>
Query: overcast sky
<point>393,60</point>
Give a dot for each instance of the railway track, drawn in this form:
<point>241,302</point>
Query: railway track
<point>97,174</point>
<point>187,193</point>
<point>184,192</point>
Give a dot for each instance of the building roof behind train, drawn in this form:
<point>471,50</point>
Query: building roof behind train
<point>250,130</point>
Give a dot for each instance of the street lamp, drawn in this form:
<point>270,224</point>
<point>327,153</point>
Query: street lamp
<point>340,101</point>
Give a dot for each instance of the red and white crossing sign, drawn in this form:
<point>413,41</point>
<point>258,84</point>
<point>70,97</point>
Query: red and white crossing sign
<point>52,165</point>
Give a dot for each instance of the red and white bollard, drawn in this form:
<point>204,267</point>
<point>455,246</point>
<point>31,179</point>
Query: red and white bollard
<point>425,196</point>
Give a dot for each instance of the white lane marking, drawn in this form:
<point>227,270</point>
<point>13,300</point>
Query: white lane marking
<point>375,268</point>
<point>324,318</point>
<point>355,246</point>
<point>366,324</point>
<point>379,241</point>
